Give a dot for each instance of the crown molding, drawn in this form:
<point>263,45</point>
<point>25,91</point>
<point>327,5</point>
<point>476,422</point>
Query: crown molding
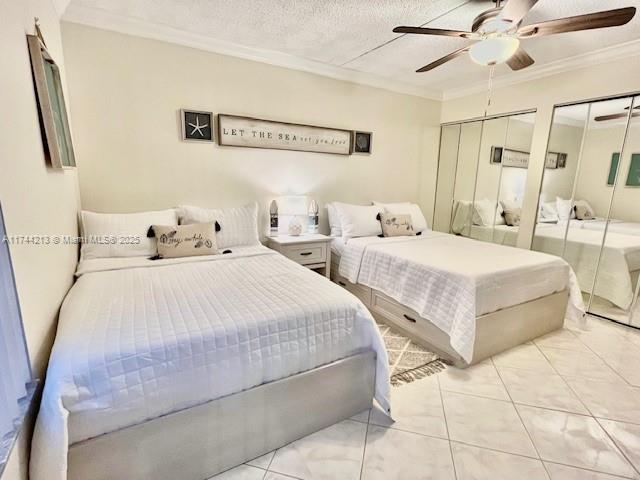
<point>94,17</point>
<point>596,57</point>
<point>60,6</point>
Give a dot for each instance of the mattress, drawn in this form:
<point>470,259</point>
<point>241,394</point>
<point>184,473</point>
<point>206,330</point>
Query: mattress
<point>451,280</point>
<point>138,339</point>
<point>620,257</point>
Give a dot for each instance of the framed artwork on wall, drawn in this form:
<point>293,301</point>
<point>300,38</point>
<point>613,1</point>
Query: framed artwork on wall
<point>613,169</point>
<point>52,110</point>
<point>239,131</point>
<point>520,159</point>
<point>633,178</point>
<point>197,125</point>
<point>361,143</point>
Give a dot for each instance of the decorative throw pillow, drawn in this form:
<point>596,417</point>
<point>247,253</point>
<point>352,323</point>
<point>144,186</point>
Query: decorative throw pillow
<point>511,213</point>
<point>185,240</point>
<point>583,210</point>
<point>407,208</point>
<point>396,224</point>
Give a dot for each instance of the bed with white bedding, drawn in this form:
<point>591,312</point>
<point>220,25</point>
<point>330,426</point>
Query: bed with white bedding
<point>620,263</point>
<point>463,287</point>
<point>139,340</point>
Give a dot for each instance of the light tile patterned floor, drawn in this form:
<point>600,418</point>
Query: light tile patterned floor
<point>563,407</point>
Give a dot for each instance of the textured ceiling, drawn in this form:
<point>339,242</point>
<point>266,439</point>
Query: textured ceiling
<point>357,34</point>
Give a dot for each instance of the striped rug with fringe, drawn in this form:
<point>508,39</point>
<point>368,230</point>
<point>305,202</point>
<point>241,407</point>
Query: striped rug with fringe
<point>408,361</point>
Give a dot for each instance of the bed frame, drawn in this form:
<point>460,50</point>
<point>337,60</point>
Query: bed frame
<point>495,332</point>
<point>199,442</point>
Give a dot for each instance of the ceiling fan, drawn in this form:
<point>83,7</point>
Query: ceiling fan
<point>616,116</point>
<point>498,32</point>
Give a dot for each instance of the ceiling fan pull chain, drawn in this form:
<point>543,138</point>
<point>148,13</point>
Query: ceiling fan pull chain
<point>490,89</point>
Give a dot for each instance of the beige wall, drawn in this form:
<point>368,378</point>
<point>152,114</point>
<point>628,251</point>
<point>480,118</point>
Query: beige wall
<point>542,94</point>
<point>35,199</point>
<point>126,93</point>
<point>600,145</point>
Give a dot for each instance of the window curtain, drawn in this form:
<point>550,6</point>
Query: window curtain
<point>15,369</point>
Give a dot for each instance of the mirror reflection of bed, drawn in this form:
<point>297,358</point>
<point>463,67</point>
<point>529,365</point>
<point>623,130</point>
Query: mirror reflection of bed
<point>490,161</point>
<point>587,210</point>
<point>593,203</point>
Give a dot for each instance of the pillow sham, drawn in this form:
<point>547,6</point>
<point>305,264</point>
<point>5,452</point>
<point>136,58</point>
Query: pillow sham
<point>565,209</point>
<point>406,208</point>
<point>396,224</point>
<point>238,225</point>
<point>484,212</point>
<point>358,220</point>
<point>334,220</point>
<point>176,241</point>
<point>107,235</point>
<point>549,210</point>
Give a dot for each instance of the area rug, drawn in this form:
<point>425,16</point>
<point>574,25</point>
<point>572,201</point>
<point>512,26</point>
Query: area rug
<point>408,361</point>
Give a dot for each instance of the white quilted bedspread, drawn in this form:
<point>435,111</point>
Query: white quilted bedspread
<point>139,339</point>
<point>451,280</point>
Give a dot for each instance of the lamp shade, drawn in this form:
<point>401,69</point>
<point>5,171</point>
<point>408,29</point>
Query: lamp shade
<point>292,209</point>
<point>494,50</point>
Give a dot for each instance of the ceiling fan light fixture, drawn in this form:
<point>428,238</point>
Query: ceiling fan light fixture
<point>494,50</point>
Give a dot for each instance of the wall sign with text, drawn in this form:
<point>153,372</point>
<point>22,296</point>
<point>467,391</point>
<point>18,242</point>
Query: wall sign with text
<point>239,131</point>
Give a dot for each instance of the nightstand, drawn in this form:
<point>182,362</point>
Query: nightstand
<point>311,250</point>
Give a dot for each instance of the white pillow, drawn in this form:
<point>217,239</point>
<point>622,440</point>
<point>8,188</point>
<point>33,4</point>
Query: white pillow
<point>565,209</point>
<point>484,212</point>
<point>407,208</point>
<point>358,220</point>
<point>549,210</point>
<point>121,234</point>
<point>334,220</point>
<point>238,225</point>
<point>499,217</point>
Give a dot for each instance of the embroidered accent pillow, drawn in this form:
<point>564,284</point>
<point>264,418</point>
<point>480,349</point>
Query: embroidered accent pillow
<point>511,213</point>
<point>186,240</point>
<point>583,211</point>
<point>396,224</point>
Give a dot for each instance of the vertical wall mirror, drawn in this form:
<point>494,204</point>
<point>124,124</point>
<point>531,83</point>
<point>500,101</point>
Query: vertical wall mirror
<point>589,211</point>
<point>482,173</point>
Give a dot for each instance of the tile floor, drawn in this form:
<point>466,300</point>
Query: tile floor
<point>563,407</point>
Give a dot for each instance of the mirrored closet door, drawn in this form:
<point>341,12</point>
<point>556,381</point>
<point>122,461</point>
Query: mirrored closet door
<point>589,210</point>
<point>482,174</point>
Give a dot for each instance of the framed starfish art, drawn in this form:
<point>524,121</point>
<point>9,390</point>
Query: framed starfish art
<point>197,126</point>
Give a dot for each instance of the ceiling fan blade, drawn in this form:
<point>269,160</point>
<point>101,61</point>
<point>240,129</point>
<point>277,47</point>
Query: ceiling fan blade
<point>442,60</point>
<point>615,116</point>
<point>520,60</point>
<point>515,10</point>
<point>433,31</point>
<point>609,18</point>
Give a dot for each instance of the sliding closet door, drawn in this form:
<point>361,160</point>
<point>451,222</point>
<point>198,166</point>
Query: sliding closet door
<point>580,179</point>
<point>447,163</point>
<point>616,285</point>
<point>489,172</point>
<point>513,178</point>
<point>465,177</point>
